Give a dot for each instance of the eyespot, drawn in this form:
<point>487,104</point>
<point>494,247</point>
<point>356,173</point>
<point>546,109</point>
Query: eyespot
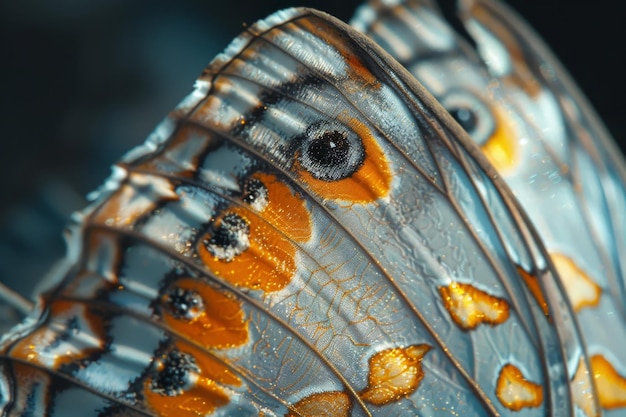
<point>184,304</point>
<point>248,252</point>
<point>173,374</point>
<point>465,117</point>
<point>342,160</point>
<point>489,126</point>
<point>471,113</point>
<point>255,194</point>
<point>231,238</point>
<point>331,153</point>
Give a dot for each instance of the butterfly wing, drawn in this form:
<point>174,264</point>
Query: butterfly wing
<point>308,233</point>
<point>575,136</point>
<point>534,127</point>
<point>575,139</point>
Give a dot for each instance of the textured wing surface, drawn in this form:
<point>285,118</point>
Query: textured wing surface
<point>538,132</point>
<point>307,234</point>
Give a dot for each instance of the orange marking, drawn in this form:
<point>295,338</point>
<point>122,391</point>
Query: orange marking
<point>394,374</point>
<point>41,347</point>
<point>210,367</point>
<point>532,282</point>
<point>182,154</point>
<point>323,404</point>
<point>522,76</point>
<point>582,291</point>
<point>222,323</point>
<point>516,392</point>
<point>356,70</point>
<point>285,210</point>
<point>582,391</point>
<point>136,197</point>
<point>203,397</point>
<point>268,264</point>
<point>31,386</point>
<point>371,181</point>
<point>610,385</point>
<point>213,110</point>
<point>501,148</point>
<point>470,306</point>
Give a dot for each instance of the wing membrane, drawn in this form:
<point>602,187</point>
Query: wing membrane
<point>308,227</point>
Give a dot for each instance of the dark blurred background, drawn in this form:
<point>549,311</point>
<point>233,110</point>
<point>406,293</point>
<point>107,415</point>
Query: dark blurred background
<point>84,81</point>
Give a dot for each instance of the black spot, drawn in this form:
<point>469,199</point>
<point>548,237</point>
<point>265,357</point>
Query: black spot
<point>184,304</point>
<point>255,192</point>
<point>464,117</point>
<point>173,377</point>
<point>230,238</point>
<point>471,113</point>
<point>331,154</point>
<point>329,149</point>
<point>227,234</point>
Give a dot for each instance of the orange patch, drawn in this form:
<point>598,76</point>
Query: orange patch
<point>210,367</point>
<point>220,324</point>
<point>136,197</point>
<point>323,404</point>
<point>30,386</point>
<point>582,390</point>
<point>46,346</point>
<point>358,71</point>
<point>209,110</point>
<point>394,374</point>
<point>468,306</point>
<point>355,68</point>
<point>532,282</point>
<point>582,291</point>
<point>516,392</point>
<point>522,76</point>
<point>610,385</point>
<point>371,181</point>
<point>181,157</point>
<point>202,399</point>
<point>501,148</point>
<point>285,210</point>
<point>268,264</point>
<point>205,394</point>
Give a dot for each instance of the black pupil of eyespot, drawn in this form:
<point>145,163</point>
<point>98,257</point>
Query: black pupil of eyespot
<point>177,368</point>
<point>226,236</point>
<point>329,149</point>
<point>182,301</point>
<point>253,189</point>
<point>465,117</point>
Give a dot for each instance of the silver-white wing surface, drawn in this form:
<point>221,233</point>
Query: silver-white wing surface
<point>533,125</point>
<point>307,234</point>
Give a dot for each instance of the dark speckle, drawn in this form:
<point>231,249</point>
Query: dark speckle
<point>464,117</point>
<point>331,154</point>
<point>231,238</point>
<point>255,194</point>
<point>174,375</point>
<point>184,304</point>
<point>329,149</point>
